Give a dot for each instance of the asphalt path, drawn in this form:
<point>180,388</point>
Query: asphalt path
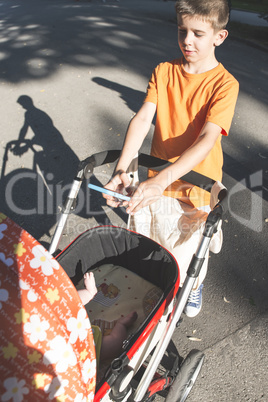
<point>72,74</point>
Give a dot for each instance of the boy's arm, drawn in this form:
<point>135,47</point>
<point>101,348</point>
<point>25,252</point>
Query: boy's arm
<point>137,130</point>
<point>151,190</point>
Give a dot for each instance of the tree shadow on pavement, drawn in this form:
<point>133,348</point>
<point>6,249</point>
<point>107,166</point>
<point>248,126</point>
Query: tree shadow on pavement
<point>39,38</point>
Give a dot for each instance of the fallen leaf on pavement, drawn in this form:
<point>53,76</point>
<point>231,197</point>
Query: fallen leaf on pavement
<point>192,338</point>
<point>226,301</point>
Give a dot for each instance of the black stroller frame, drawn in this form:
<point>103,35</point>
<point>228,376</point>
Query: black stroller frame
<point>177,387</point>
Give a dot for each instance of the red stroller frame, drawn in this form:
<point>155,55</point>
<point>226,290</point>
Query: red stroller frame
<point>122,382</point>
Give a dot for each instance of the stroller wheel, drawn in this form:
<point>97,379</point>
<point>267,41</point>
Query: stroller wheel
<point>186,377</point>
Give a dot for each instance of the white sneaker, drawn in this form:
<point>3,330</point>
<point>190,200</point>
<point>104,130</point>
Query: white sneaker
<point>194,302</point>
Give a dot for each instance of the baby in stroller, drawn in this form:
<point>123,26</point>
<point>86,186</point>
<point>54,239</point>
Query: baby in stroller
<point>108,346</point>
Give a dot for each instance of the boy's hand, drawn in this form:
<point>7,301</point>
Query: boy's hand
<point>118,182</point>
<point>148,192</point>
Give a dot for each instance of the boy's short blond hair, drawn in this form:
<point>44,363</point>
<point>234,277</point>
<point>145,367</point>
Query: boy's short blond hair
<point>214,11</point>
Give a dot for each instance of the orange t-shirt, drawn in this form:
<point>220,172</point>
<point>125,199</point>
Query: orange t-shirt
<point>185,102</point>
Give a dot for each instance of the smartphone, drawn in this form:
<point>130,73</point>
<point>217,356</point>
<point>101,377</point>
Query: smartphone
<point>109,192</point>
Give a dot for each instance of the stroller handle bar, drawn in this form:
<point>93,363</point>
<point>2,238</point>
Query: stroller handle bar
<point>152,162</point>
<point>147,161</point>
<point>85,171</point>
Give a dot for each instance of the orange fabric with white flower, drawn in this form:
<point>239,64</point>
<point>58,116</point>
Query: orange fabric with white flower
<point>46,343</point>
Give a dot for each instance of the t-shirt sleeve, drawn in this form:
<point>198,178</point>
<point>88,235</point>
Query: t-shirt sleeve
<point>222,105</point>
<point>151,93</point>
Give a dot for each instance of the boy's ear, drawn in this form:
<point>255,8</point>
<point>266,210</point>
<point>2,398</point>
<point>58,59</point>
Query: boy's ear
<point>220,37</point>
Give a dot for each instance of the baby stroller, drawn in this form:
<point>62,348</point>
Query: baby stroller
<point>149,364</point>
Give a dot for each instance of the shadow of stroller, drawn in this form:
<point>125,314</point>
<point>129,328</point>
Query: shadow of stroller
<point>32,196</point>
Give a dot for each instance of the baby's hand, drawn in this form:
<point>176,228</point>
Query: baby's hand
<point>90,284</point>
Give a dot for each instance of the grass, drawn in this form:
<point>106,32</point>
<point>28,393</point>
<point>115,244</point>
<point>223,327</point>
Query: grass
<point>259,6</point>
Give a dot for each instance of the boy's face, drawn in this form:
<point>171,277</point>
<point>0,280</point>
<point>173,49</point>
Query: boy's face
<point>197,39</point>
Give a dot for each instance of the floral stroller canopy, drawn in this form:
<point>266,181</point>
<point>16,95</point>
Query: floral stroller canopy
<point>46,344</point>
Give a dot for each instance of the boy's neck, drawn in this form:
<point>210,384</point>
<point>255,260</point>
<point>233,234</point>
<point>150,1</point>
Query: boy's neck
<point>200,67</point>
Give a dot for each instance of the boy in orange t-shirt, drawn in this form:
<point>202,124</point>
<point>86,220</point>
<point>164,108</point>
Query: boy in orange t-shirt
<point>194,98</point>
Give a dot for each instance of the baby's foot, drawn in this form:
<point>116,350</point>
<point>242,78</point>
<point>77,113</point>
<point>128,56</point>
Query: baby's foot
<point>128,320</point>
<point>90,284</point>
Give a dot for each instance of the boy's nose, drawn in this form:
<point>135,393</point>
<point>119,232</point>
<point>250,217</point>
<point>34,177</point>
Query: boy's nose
<point>187,39</point>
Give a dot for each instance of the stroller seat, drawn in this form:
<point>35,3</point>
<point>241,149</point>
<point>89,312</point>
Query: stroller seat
<point>120,292</point>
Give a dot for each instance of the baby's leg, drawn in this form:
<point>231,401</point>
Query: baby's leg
<point>112,344</point>
<point>90,290</point>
